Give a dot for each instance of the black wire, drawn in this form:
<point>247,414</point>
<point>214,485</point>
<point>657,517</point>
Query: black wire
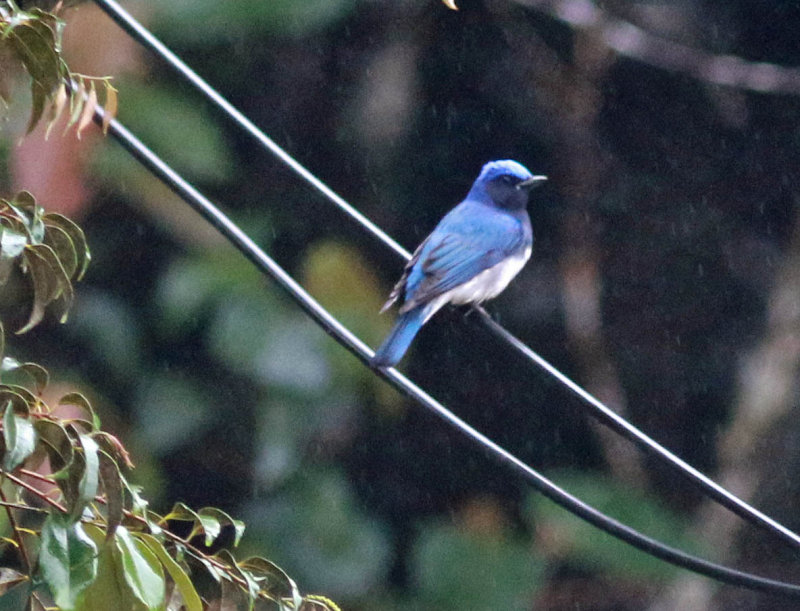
<point>344,336</point>
<point>601,412</point>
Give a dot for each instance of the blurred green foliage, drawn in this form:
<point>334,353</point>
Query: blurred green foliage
<point>213,21</point>
<point>457,569</point>
<point>317,529</point>
<point>584,546</point>
<point>178,128</point>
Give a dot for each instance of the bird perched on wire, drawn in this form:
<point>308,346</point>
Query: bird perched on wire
<point>471,255</point>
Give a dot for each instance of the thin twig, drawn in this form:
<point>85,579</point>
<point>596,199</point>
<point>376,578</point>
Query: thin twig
<point>635,42</point>
<point>22,507</point>
<point>47,479</point>
<point>12,520</point>
<point>194,550</point>
<point>103,501</point>
<point>35,491</point>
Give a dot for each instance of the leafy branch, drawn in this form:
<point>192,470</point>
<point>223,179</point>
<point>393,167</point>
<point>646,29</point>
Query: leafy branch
<point>85,537</point>
<point>34,38</point>
<point>48,248</point>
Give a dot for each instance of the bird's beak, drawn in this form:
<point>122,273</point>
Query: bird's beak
<point>533,181</point>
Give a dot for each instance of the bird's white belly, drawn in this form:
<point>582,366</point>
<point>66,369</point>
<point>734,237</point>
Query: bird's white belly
<point>486,285</point>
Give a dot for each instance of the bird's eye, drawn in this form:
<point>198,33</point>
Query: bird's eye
<point>509,180</point>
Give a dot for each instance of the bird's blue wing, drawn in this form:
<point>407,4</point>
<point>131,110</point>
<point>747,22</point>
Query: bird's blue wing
<point>468,241</point>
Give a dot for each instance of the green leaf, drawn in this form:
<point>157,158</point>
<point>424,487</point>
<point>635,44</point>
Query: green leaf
<point>89,107</point>
<point>223,519</point>
<point>182,581</point>
<point>56,108</point>
<point>207,524</point>
<point>60,306</point>
<point>180,511</point>
<point>42,290</point>
<point>10,578</point>
<point>12,244</point>
<point>76,100</point>
<point>141,569</point>
<point>6,267</point>
<point>109,106</point>
<point>35,44</point>
<point>30,400</point>
<point>272,579</point>
<point>77,236</point>
<point>85,475</point>
<point>58,444</point>
<point>9,364</point>
<point>31,213</point>
<point>58,239</point>
<point>60,277</point>
<point>215,573</point>
<point>68,559</point>
<point>76,399</point>
<point>50,282</point>
<point>138,507</point>
<point>14,219</point>
<point>109,590</point>
<point>36,372</point>
<point>112,486</point>
<point>113,447</point>
<point>211,527</point>
<point>20,398</point>
<point>38,101</point>
<point>17,597</point>
<point>252,583</point>
<point>19,437</point>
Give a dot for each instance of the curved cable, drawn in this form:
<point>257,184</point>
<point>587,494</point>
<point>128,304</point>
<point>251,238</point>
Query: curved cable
<point>142,35</point>
<point>601,412</point>
<point>355,346</point>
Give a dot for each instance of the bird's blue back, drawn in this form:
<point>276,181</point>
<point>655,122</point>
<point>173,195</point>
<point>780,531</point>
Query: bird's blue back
<point>472,237</point>
<point>470,256</point>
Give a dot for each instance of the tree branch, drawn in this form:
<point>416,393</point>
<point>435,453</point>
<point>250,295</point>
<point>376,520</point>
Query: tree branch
<point>632,41</point>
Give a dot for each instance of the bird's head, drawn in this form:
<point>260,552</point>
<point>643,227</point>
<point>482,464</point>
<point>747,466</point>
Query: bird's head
<point>505,184</point>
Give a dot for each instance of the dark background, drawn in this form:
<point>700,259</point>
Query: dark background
<point>664,279</point>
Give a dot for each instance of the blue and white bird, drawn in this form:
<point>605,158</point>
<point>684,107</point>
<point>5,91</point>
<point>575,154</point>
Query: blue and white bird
<point>471,255</point>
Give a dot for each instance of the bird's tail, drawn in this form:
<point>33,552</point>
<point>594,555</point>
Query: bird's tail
<point>399,339</point>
